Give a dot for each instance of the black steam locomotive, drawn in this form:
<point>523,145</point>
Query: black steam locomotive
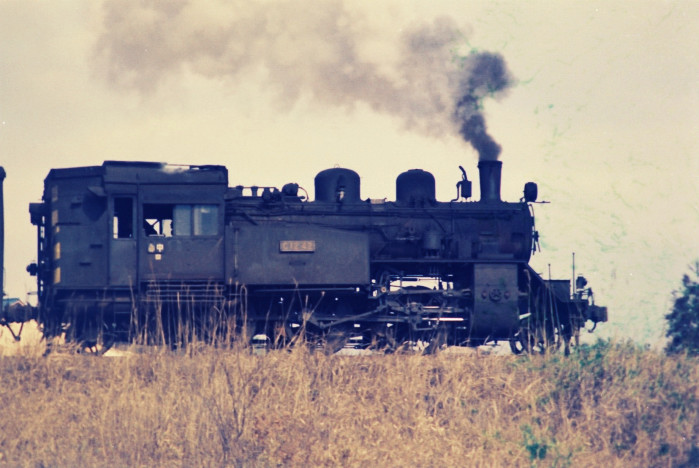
<point>131,249</point>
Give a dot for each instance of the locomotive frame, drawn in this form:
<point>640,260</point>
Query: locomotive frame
<point>131,249</point>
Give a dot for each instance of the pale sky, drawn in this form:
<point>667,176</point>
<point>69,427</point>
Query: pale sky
<point>603,114</point>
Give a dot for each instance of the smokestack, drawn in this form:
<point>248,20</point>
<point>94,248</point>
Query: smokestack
<point>2,238</point>
<point>490,172</point>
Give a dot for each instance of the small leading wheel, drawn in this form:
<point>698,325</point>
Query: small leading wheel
<point>536,340</point>
<point>387,338</point>
<point>520,342</point>
<point>327,341</point>
<point>436,341</point>
<point>334,341</point>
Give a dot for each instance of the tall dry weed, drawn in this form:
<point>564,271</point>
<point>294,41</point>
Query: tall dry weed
<point>605,405</point>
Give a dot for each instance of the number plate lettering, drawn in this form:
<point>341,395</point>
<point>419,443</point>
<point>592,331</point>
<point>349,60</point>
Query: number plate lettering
<point>297,246</point>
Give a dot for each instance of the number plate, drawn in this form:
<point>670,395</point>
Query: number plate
<point>297,246</point>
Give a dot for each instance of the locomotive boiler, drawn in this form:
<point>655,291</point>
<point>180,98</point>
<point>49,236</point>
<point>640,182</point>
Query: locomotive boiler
<point>130,249</point>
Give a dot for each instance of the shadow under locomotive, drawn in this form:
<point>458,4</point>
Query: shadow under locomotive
<point>169,253</point>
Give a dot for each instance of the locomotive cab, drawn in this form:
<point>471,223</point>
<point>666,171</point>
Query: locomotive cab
<point>108,233</point>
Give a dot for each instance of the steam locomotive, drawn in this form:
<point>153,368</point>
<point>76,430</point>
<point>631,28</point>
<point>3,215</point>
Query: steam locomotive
<point>130,249</point>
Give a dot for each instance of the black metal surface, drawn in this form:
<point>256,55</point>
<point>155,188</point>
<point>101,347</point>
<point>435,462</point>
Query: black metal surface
<point>490,174</point>
<point>415,187</point>
<point>298,254</point>
<point>120,242</point>
<point>337,185</point>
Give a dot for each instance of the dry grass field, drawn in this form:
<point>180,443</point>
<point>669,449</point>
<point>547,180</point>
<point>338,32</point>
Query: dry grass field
<point>605,405</point>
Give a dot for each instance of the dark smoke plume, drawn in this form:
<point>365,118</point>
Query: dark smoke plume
<point>325,50</point>
<point>487,76</point>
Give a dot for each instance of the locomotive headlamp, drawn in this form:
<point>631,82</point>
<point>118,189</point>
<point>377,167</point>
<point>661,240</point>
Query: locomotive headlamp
<point>530,192</point>
<point>580,282</point>
<point>33,269</point>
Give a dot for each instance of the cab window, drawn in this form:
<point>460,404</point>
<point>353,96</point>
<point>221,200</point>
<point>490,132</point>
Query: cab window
<point>167,220</point>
